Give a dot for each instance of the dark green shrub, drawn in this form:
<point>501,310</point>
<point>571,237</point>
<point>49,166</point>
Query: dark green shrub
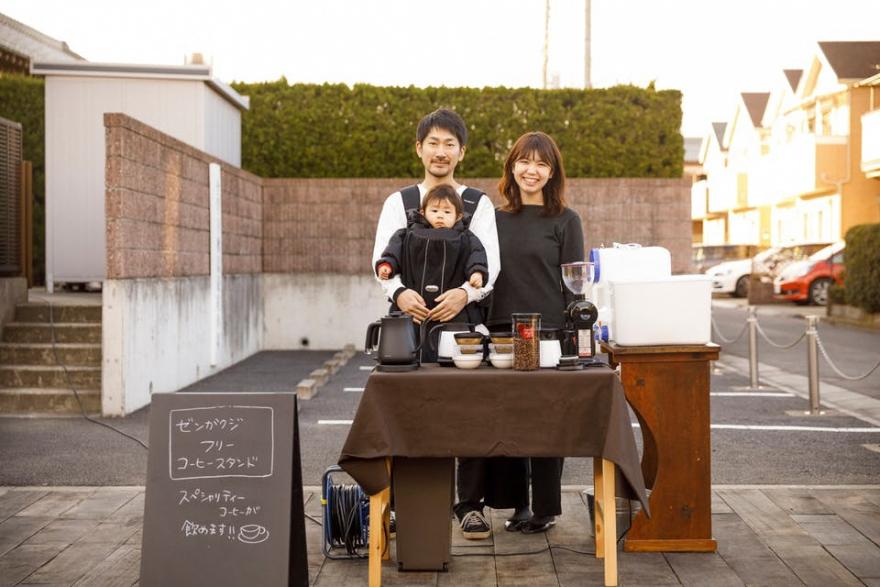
<point>22,100</point>
<point>307,130</point>
<point>862,279</point>
<point>837,294</point>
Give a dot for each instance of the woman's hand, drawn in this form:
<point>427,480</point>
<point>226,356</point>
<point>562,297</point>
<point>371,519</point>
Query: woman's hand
<point>476,280</point>
<point>410,302</point>
<point>450,303</point>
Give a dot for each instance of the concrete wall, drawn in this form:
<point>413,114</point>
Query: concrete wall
<point>13,290</point>
<point>156,335</point>
<point>157,298</point>
<point>328,311</point>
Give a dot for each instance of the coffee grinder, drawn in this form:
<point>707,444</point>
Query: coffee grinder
<point>581,314</point>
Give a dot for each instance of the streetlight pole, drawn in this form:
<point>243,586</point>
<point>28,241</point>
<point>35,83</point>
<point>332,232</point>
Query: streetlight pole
<point>546,40</point>
<point>587,42</point>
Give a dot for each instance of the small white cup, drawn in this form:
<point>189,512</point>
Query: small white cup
<point>550,351</point>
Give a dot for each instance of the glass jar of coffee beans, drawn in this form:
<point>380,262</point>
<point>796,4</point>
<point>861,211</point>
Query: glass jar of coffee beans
<point>525,341</point>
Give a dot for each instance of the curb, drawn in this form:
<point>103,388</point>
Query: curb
<point>308,388</point>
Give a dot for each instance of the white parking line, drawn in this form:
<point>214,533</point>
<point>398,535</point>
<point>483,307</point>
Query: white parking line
<point>336,422</point>
<point>353,389</point>
<point>792,428</point>
<point>365,368</point>
<point>750,394</point>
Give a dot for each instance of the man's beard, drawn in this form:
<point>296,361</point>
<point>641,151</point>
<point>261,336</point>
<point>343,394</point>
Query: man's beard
<point>438,175</point>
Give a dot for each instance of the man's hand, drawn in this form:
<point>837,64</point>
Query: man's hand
<point>384,272</point>
<point>451,302</point>
<point>410,302</point>
<point>476,280</point>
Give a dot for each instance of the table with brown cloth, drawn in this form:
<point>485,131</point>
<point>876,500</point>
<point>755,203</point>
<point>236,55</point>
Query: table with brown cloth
<point>437,412</point>
<point>420,420</point>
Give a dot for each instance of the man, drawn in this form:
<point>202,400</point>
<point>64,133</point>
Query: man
<point>441,142</point>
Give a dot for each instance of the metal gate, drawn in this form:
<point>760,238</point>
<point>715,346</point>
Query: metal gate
<point>14,203</point>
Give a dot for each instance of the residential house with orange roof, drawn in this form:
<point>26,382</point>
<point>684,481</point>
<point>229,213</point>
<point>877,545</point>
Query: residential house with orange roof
<point>794,170</point>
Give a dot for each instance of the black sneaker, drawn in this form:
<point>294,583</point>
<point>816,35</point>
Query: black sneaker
<point>474,526</point>
<point>538,524</point>
<point>518,519</point>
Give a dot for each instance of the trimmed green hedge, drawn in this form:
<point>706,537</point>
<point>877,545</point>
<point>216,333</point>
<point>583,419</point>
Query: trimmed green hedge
<point>22,100</point>
<point>332,130</point>
<point>862,279</point>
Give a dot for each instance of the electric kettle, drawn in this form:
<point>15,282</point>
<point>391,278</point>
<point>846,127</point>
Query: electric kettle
<point>394,341</point>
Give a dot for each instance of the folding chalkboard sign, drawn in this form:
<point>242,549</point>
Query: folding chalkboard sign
<point>224,503</point>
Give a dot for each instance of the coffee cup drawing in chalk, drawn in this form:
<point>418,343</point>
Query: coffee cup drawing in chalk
<point>252,534</point>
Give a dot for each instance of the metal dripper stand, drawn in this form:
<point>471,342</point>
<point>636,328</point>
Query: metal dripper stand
<point>580,315</point>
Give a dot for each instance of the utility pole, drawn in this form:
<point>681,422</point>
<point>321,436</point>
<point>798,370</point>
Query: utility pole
<point>546,40</point>
<point>587,49</point>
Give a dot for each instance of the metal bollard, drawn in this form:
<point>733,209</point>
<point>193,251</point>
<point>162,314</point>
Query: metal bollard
<point>813,364</point>
<point>752,321</point>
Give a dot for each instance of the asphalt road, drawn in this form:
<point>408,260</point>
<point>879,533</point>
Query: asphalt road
<point>754,440</point>
<point>853,350</point>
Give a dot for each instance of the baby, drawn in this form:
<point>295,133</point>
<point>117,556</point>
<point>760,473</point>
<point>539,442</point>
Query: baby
<point>436,251</point>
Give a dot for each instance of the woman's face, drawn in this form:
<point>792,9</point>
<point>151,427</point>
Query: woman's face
<point>531,174</point>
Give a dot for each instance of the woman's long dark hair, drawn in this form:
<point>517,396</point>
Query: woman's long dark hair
<point>542,145</point>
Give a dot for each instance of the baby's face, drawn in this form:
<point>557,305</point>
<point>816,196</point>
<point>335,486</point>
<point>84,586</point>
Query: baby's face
<point>440,214</point>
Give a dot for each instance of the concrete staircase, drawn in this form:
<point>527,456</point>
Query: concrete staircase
<point>36,377</point>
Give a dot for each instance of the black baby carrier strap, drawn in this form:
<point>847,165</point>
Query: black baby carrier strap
<point>412,200</point>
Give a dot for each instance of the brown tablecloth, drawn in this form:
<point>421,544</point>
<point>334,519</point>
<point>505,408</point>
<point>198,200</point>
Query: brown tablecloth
<point>487,412</point>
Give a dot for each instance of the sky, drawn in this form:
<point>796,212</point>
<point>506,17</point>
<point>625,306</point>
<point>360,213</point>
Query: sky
<point>711,50</point>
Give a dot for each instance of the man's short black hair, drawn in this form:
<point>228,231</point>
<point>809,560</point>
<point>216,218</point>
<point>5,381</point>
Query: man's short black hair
<point>444,119</point>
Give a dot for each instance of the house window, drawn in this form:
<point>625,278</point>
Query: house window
<point>826,119</point>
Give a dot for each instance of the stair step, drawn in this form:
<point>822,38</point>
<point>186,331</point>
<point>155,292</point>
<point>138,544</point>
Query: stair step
<point>25,400</point>
<point>34,312</point>
<point>65,332</point>
<point>71,354</point>
<point>22,376</point>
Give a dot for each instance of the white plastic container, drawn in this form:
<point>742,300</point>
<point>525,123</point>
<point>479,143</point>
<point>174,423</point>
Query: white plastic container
<point>670,310</point>
<point>624,262</point>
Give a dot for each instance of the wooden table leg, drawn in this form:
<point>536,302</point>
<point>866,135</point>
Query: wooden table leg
<point>609,516</point>
<point>380,513</point>
<point>598,509</point>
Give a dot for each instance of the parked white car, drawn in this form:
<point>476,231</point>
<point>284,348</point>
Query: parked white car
<point>733,276</point>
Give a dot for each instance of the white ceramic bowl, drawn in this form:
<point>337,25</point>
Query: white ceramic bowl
<point>501,361</point>
<point>467,361</point>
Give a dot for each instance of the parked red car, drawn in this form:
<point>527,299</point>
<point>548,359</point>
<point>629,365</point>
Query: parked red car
<point>807,282</point>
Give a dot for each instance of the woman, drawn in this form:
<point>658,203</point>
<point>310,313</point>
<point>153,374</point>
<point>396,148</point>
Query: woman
<point>536,234</point>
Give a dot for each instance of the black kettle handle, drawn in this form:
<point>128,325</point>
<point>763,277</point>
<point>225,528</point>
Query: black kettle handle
<point>372,336</point>
<point>431,342</point>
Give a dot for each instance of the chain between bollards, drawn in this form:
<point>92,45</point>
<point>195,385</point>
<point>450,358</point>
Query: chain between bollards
<point>813,364</point>
<point>752,322</point>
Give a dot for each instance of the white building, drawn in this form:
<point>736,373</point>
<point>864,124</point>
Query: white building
<point>183,101</point>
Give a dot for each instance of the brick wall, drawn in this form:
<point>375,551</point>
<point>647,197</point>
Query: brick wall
<point>157,206</point>
<point>157,213</point>
<point>327,225</point>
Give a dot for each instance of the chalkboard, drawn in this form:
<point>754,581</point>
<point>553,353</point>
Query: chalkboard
<point>224,502</point>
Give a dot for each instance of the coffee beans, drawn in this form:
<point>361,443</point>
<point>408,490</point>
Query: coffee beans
<point>525,354</point>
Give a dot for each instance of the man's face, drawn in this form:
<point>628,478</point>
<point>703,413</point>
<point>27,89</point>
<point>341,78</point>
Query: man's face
<point>440,214</point>
<point>440,152</point>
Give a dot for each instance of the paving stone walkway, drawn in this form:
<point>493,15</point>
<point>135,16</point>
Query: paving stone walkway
<point>767,535</point>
